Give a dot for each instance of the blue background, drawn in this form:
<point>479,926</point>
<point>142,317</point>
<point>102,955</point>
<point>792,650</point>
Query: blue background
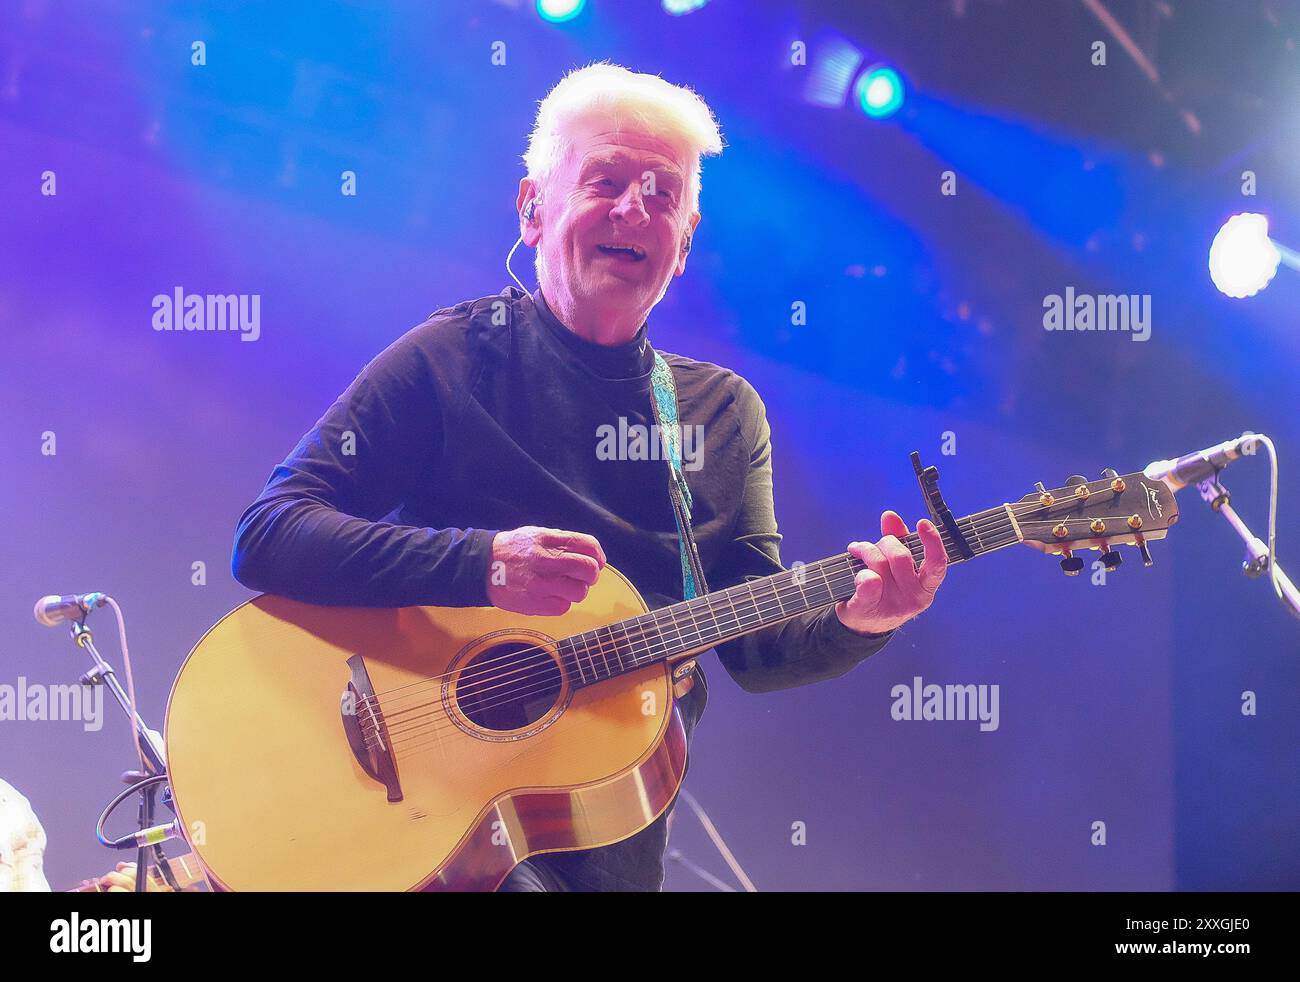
<point>1120,702</point>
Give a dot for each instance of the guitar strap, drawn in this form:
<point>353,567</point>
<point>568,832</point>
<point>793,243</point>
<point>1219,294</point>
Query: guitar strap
<point>694,584</point>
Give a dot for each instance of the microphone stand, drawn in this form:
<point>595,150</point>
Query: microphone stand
<point>101,673</point>
<point>1257,557</point>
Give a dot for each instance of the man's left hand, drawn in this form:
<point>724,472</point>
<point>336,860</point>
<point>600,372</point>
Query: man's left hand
<point>893,589</point>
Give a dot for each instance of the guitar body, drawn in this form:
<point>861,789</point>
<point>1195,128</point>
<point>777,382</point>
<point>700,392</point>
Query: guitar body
<point>288,775</point>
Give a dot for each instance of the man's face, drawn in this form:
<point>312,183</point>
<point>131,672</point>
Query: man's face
<point>612,220</point>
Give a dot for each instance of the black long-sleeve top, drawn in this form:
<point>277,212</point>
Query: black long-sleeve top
<point>488,417</point>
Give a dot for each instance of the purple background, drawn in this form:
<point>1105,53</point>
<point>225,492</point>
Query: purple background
<point>1118,703</point>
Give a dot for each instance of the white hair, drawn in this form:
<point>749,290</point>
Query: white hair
<point>675,111</point>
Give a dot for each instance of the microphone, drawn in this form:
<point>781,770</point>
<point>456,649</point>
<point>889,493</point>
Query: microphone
<point>1195,467</point>
<point>53,610</point>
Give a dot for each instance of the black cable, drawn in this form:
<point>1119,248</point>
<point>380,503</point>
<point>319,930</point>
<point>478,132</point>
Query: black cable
<point>112,806</point>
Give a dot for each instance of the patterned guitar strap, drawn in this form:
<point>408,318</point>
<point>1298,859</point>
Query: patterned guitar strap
<point>664,404</point>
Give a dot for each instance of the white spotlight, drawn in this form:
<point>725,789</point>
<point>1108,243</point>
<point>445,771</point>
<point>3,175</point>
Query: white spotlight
<point>1243,259</point>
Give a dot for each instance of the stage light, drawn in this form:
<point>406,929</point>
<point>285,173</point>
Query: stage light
<point>679,7</point>
<point>558,11</point>
<point>880,92</point>
<point>1243,260</point>
<point>831,71</point>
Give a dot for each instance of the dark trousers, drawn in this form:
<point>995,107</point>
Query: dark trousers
<point>531,877</point>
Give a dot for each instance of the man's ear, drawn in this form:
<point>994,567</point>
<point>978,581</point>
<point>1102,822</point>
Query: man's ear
<point>684,247</point>
<point>530,232</point>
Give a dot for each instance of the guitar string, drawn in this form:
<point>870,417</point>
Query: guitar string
<point>413,738</point>
<point>413,727</point>
<point>991,518</point>
<point>718,603</point>
<point>546,678</point>
<point>661,646</point>
<point>402,738</point>
<point>590,653</point>
<point>505,680</point>
<point>410,729</point>
<point>418,738</point>
<point>914,545</point>
<point>523,671</point>
<point>405,726</point>
<point>655,624</point>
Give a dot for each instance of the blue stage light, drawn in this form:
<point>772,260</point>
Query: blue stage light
<point>679,7</point>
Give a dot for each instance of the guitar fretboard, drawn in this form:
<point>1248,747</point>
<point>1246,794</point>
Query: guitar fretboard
<point>692,626</point>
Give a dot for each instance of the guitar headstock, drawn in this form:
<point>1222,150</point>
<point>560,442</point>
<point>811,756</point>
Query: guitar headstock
<point>1129,509</point>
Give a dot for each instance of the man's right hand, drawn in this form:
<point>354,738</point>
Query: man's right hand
<point>542,571</point>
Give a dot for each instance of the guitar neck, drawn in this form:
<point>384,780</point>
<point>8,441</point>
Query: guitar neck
<point>692,626</point>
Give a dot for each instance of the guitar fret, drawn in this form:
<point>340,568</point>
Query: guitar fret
<point>605,659</point>
<point>698,633</point>
<point>625,643</point>
<point>753,600</point>
<point>618,652</point>
<point>799,586</point>
<point>577,659</point>
<point>708,605</point>
<point>779,602</point>
<point>681,638</point>
<point>830,593</point>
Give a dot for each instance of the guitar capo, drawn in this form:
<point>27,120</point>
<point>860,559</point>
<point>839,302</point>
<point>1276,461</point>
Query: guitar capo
<point>928,479</point>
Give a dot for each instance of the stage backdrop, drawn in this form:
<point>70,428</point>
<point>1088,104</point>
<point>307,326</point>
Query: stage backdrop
<point>881,284</point>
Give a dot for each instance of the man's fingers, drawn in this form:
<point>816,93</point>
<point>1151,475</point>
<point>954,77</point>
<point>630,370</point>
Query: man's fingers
<point>579,542</point>
<point>867,588</point>
<point>901,565</point>
<point>563,587</point>
<point>891,523</point>
<point>543,606</point>
<point>583,568</point>
<point>876,561</point>
<point>935,566</point>
<point>868,584</point>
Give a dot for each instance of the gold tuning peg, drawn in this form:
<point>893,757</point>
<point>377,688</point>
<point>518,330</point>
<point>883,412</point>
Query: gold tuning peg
<point>1146,552</point>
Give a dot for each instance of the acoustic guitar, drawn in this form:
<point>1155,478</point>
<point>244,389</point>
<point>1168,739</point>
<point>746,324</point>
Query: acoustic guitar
<point>327,748</point>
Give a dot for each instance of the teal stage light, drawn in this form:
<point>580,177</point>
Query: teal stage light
<point>558,11</point>
<point>880,92</point>
<point>679,7</point>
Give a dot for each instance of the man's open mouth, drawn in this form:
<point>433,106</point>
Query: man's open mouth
<point>628,253</point>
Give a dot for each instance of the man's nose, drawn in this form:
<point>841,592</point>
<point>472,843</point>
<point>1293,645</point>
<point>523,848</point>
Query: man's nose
<point>630,208</point>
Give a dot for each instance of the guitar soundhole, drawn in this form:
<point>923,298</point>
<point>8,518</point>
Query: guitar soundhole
<point>508,686</point>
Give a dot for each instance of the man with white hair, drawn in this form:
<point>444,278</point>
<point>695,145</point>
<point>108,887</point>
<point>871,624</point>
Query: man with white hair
<point>461,467</point>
